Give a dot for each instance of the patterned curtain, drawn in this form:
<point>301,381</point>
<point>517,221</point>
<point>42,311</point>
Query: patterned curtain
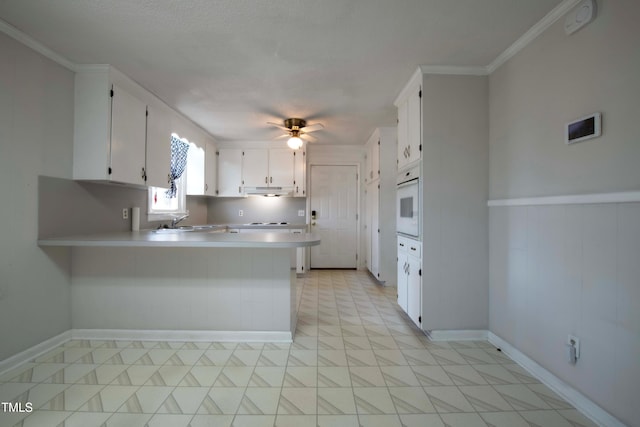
<point>179,149</point>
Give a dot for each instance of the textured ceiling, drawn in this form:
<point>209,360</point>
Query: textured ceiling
<point>232,65</point>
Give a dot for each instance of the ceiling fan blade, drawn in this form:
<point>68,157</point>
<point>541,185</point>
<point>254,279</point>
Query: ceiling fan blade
<point>279,126</point>
<point>308,137</point>
<point>282,136</point>
<point>312,128</point>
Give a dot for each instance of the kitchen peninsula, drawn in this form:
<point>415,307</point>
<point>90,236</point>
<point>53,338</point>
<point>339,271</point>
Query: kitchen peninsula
<point>193,285</point>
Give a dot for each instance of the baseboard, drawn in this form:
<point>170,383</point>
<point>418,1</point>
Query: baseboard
<point>170,335</point>
<point>33,352</point>
<point>458,335</point>
<point>582,403</point>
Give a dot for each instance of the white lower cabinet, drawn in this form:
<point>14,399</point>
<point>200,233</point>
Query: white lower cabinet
<point>410,278</point>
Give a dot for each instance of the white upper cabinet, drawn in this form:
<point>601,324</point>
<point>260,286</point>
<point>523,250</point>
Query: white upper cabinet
<point>201,169</point>
<point>210,170</point>
<point>158,162</point>
<point>263,167</point>
<point>128,137</point>
<point>281,167</point>
<point>195,169</point>
<point>255,167</point>
<point>122,132</point>
<point>109,128</point>
<point>299,173</point>
<point>229,172</point>
<point>409,125</point>
<point>372,157</point>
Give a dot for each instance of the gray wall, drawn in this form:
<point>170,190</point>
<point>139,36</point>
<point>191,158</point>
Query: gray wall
<point>563,269</point>
<point>68,207</point>
<point>36,137</point>
<point>555,80</point>
<point>455,249</point>
<point>224,210</point>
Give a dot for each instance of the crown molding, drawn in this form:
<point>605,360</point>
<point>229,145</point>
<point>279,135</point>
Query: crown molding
<point>533,32</point>
<point>18,35</point>
<point>453,70</point>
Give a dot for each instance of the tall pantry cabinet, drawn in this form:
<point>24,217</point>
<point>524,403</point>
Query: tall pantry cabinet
<point>380,192</point>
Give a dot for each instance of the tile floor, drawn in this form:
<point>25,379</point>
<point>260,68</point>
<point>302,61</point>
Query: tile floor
<point>356,360</point>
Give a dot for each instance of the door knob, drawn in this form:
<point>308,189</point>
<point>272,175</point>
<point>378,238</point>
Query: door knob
<point>313,223</point>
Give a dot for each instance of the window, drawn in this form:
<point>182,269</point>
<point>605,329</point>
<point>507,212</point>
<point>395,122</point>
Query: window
<point>166,203</point>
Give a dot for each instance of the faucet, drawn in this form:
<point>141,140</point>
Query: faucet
<point>176,220</point>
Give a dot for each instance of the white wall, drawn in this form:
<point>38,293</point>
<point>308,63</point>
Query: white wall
<point>563,269</point>
<point>36,138</point>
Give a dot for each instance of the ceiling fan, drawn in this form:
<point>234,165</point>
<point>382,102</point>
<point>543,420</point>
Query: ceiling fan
<point>297,130</point>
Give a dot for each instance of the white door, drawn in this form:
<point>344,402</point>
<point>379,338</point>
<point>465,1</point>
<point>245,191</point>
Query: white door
<point>334,201</point>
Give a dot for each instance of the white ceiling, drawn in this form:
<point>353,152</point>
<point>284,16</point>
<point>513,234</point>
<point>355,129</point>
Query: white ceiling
<point>233,65</point>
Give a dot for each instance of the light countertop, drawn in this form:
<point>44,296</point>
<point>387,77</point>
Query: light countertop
<point>188,239</point>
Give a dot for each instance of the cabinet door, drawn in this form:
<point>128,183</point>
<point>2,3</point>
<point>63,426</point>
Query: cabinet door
<point>255,167</point>
<point>230,172</point>
<point>414,289</point>
<point>210,170</point>
<point>402,135</point>
<point>158,159</point>
<point>375,160</point>
<point>402,280</point>
<point>281,167</point>
<point>195,169</point>
<point>299,173</point>
<point>414,125</point>
<point>300,255</point>
<point>375,230</point>
<point>128,137</point>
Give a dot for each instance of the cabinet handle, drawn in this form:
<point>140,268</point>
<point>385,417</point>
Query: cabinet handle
<point>402,244</point>
<point>266,180</point>
<point>297,192</point>
<point>206,187</point>
<point>271,180</point>
<point>239,189</point>
<point>144,174</point>
<point>412,248</point>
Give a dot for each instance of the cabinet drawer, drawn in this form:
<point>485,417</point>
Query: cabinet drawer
<point>414,248</point>
<point>409,246</point>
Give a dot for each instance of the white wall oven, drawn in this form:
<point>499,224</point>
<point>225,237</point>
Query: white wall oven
<point>408,203</point>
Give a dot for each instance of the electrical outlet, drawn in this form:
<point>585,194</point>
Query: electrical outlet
<point>301,212</point>
<point>125,213</point>
<point>240,212</point>
<point>573,341</point>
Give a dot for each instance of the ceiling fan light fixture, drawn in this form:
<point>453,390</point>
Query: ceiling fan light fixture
<point>294,142</point>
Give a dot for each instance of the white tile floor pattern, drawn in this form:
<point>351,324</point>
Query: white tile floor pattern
<point>356,360</point>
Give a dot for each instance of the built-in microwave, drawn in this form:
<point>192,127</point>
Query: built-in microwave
<point>408,203</point>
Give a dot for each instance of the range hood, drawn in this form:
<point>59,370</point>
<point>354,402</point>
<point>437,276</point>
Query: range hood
<point>268,191</point>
